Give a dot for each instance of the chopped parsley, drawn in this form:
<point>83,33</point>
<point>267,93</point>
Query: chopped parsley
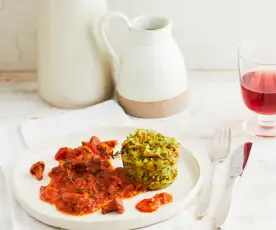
<point>91,195</point>
<point>86,180</point>
<point>115,155</point>
<point>68,162</point>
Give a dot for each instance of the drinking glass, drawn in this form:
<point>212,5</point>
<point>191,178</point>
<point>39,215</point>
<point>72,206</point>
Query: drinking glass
<point>257,71</point>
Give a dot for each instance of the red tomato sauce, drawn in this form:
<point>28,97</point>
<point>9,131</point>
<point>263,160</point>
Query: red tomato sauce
<point>154,203</point>
<point>85,180</point>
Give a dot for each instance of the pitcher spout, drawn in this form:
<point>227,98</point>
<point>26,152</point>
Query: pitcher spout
<point>149,23</point>
<point>151,29</point>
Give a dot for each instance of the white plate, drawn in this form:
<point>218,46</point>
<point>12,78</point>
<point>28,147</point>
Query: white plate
<point>26,189</point>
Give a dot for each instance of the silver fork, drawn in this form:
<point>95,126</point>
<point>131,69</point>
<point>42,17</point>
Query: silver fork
<point>218,152</point>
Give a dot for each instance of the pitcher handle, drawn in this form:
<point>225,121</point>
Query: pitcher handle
<point>110,50</point>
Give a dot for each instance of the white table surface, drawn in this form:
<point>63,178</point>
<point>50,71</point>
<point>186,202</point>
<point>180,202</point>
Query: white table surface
<point>214,100</point>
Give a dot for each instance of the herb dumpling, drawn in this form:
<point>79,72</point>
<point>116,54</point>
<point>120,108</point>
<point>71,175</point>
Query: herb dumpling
<point>150,158</point>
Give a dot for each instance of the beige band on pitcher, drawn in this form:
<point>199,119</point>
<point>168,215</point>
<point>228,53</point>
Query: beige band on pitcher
<point>153,109</point>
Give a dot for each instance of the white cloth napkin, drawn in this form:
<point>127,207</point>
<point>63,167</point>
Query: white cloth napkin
<point>41,132</point>
<point>254,199</point>
<point>38,132</point>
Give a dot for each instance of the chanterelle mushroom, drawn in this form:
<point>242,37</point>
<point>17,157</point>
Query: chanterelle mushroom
<point>37,170</point>
<point>115,205</point>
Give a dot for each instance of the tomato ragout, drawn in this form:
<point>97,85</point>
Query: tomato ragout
<point>85,180</point>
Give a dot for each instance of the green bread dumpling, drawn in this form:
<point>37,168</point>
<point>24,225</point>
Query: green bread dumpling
<point>150,158</point>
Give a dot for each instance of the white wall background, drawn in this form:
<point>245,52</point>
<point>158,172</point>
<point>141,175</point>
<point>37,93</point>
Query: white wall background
<point>207,31</point>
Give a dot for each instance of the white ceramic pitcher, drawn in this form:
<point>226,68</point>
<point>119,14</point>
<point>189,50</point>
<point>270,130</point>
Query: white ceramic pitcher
<point>72,69</point>
<point>151,75</point>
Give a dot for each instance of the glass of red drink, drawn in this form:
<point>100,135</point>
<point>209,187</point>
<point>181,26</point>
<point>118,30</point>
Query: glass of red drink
<point>257,68</point>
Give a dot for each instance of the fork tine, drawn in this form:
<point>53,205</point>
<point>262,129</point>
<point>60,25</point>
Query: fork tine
<point>229,138</point>
<point>226,137</point>
<point>222,137</point>
<point>217,132</point>
<point>216,136</point>
<point>225,143</point>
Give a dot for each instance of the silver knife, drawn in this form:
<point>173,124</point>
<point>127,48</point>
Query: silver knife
<point>235,172</point>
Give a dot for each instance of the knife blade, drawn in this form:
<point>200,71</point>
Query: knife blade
<point>237,166</point>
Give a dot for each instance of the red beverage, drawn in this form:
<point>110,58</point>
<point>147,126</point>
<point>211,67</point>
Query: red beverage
<point>259,91</point>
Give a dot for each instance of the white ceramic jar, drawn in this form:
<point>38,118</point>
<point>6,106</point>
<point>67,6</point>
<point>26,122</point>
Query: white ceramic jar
<point>151,73</point>
<point>72,69</point>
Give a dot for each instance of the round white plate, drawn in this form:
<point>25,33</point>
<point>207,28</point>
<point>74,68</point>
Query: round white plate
<point>26,188</point>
